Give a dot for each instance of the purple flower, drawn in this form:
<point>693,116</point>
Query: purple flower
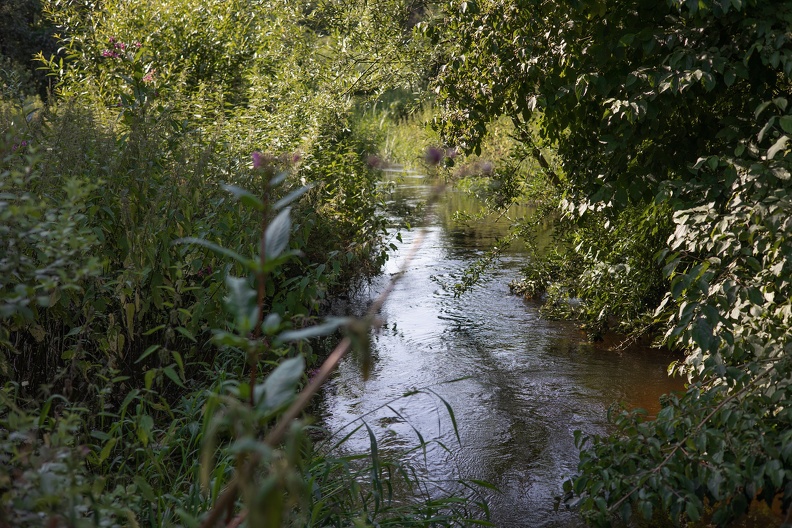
<point>258,159</point>
<point>374,161</point>
<point>137,44</point>
<point>107,53</point>
<point>433,156</point>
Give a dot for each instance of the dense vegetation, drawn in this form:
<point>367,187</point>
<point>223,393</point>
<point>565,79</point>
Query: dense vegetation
<point>174,217</point>
<point>183,186</point>
<point>670,121</point>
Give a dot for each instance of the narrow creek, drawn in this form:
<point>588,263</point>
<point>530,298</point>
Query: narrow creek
<point>528,384</point>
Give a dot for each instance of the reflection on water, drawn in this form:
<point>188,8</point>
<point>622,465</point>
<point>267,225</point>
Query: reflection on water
<point>527,385</point>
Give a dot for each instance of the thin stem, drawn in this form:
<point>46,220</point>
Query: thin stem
<point>276,435</point>
<point>261,279</point>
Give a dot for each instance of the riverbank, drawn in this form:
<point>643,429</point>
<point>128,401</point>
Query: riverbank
<point>524,383</point>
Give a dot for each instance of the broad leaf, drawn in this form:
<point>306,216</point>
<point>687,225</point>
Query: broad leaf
<point>280,385</point>
<point>277,234</point>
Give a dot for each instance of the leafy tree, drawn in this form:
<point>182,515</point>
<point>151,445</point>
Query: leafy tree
<point>685,105</point>
<point>23,34</point>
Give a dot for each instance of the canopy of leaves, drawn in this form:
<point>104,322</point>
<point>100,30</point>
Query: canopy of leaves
<point>685,104</point>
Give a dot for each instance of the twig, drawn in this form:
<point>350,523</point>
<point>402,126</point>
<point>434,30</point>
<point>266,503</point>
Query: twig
<point>275,436</point>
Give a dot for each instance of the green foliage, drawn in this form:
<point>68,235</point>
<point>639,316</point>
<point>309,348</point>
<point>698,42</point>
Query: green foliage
<point>159,290</point>
<point>602,272</point>
<point>23,34</point>
<point>670,119</point>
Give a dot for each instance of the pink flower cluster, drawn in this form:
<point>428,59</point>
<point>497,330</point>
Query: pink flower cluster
<point>149,77</point>
<point>118,48</point>
<point>268,161</point>
<point>434,155</point>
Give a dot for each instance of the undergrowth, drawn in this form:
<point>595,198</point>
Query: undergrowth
<point>144,352</point>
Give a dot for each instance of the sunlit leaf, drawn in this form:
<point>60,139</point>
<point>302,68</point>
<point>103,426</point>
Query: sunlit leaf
<point>245,197</point>
<point>292,196</point>
<point>277,234</point>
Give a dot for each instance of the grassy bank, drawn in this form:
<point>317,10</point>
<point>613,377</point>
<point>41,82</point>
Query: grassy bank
<point>173,219</point>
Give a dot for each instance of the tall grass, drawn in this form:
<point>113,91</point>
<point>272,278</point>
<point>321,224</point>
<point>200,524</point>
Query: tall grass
<point>140,372</point>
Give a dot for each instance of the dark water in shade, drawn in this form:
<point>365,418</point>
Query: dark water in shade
<point>529,382</point>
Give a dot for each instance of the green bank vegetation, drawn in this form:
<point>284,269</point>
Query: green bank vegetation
<point>670,122</point>
<point>175,216</point>
<point>141,328</point>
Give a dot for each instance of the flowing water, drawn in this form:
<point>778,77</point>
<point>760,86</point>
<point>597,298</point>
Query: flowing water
<point>528,383</point>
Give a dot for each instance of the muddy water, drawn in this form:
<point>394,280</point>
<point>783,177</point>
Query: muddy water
<point>528,384</point>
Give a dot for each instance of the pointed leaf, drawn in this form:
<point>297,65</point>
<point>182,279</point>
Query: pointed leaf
<point>186,333</point>
<point>241,302</point>
<point>173,376</point>
<point>278,234</point>
<point>248,263</point>
<point>780,144</point>
<point>150,350</point>
<point>289,198</point>
<point>246,197</point>
<point>278,179</point>
<point>328,327</point>
<point>280,385</point>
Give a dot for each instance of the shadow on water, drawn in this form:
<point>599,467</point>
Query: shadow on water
<point>527,385</point>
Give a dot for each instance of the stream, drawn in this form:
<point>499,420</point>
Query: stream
<point>527,383</point>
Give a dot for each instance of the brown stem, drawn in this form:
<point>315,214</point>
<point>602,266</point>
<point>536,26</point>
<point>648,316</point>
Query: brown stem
<point>261,279</point>
<point>276,435</point>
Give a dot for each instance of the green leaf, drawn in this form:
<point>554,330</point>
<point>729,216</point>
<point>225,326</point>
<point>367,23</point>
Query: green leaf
<point>277,234</point>
<point>186,333</point>
<point>692,511</point>
<point>289,198</point>
<point>221,338</point>
<point>173,376</point>
<point>646,509</point>
<point>279,387</point>
<point>144,428</point>
<point>246,197</point>
<point>178,359</point>
<point>108,447</point>
<point>241,302</point>
<point>145,489</point>
<point>702,334</point>
<point>150,350</point>
<point>329,326</point>
<point>777,146</point>
<point>761,108</point>
<point>766,128</point>
<point>148,378</point>
<point>248,263</point>
<point>271,323</point>
<point>155,329</point>
<point>786,123</point>
<point>278,179</point>
<point>729,77</point>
